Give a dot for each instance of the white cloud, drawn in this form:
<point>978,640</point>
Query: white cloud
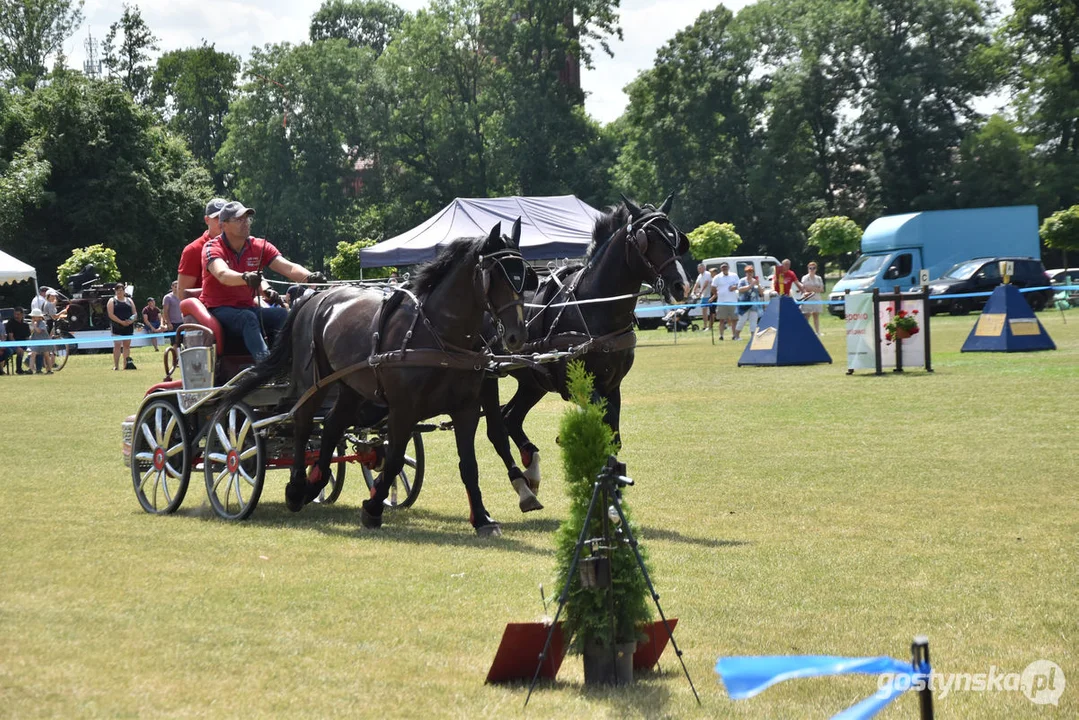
<point>238,25</point>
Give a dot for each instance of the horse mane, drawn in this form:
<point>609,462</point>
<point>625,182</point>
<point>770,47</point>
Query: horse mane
<point>614,218</point>
<point>430,274</point>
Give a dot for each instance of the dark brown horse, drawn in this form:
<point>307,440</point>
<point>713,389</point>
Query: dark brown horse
<point>401,356</point>
<point>631,245</point>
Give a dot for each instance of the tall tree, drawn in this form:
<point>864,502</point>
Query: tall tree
<point>31,31</point>
<point>996,167</point>
<point>363,23</point>
<point>110,175</point>
<point>192,89</point>
<point>129,60</point>
<point>296,131</point>
<point>1043,38</point>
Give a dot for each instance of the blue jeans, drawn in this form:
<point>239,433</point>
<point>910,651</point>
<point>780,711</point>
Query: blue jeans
<point>244,322</point>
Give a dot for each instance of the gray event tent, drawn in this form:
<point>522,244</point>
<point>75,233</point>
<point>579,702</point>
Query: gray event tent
<point>551,227</point>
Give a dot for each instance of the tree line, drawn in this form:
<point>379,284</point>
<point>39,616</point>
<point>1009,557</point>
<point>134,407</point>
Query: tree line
<point>768,119</point>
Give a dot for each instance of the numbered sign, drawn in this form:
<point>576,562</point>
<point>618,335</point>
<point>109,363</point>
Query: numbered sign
<point>923,277</point>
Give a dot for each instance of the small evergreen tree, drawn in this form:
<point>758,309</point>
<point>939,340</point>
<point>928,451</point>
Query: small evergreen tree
<point>586,441</point>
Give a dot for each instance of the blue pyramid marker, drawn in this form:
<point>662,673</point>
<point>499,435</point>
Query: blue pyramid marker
<point>1007,324</point>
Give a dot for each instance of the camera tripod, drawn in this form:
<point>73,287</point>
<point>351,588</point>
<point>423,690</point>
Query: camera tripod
<point>607,488</point>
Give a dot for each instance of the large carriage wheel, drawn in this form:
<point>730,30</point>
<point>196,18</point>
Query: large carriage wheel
<point>332,491</point>
<point>235,462</point>
<point>406,488</point>
<point>160,458</point>
<point>61,352</point>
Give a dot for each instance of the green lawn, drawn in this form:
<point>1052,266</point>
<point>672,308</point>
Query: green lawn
<point>786,511</point>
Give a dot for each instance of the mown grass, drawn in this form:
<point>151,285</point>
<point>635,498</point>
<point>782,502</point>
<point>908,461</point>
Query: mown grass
<point>786,510</point>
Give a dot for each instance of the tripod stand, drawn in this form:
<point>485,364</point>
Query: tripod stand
<point>607,488</point>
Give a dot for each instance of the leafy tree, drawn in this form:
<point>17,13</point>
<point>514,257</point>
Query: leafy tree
<point>713,240</point>
<point>345,265</point>
<point>1041,37</point>
<point>128,61</point>
<point>102,258</point>
<point>835,236</point>
<point>31,31</point>
<point>114,178</point>
<point>22,184</point>
<point>996,167</point>
<point>363,23</point>
<point>192,89</point>
<point>296,132</point>
<point>1060,231</point>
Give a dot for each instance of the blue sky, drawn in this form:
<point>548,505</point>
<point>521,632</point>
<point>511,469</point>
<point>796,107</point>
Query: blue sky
<point>237,25</point>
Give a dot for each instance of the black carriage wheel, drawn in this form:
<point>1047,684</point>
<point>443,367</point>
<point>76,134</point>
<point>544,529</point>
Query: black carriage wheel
<point>61,352</point>
<point>234,463</point>
<point>409,480</point>
<point>160,458</point>
<point>332,491</point>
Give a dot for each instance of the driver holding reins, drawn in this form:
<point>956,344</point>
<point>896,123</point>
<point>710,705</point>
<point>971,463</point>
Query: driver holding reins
<point>232,275</point>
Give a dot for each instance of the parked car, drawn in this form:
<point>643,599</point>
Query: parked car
<point>1066,276</point>
<point>983,275</point>
<point>763,265</point>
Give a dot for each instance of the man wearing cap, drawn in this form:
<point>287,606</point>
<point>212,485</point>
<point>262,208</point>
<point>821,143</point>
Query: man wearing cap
<point>232,274</point>
<point>189,274</point>
<point>38,303</point>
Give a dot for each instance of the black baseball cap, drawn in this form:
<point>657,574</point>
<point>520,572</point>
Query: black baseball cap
<point>214,207</point>
<point>234,210</point>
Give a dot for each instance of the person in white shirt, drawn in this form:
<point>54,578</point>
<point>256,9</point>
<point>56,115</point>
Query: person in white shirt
<point>725,290</point>
<point>38,303</point>
<point>702,290</point>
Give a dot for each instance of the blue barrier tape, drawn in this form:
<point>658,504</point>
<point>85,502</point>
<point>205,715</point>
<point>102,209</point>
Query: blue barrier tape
<point>75,342</point>
<point>745,677</point>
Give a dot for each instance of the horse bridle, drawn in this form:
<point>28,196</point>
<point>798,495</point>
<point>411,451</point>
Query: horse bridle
<point>518,281</point>
<point>637,238</point>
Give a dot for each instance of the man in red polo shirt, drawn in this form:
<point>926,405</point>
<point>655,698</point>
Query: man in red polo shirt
<point>189,274</point>
<point>785,278</point>
<point>232,274</point>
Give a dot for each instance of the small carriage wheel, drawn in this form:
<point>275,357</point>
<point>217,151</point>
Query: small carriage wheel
<point>160,458</point>
<point>234,463</point>
<point>409,480</point>
<point>61,352</point>
<point>332,491</point>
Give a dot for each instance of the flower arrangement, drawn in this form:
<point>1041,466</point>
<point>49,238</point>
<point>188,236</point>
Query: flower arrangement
<point>901,326</point>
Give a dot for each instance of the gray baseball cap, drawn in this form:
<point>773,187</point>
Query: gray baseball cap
<point>214,207</point>
<point>234,210</point>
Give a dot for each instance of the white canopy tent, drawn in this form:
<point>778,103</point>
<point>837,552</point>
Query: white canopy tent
<point>551,227</point>
<point>13,270</point>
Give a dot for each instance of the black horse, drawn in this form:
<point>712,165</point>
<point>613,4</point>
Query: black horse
<point>401,356</point>
<point>631,245</point>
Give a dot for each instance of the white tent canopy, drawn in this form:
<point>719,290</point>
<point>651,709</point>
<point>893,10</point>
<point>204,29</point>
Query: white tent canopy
<point>551,227</point>
<point>13,270</point>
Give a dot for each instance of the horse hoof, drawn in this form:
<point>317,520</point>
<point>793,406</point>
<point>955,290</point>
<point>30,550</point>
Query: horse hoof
<point>530,504</point>
<point>527,500</point>
<point>492,530</point>
<point>371,522</point>
<point>295,497</point>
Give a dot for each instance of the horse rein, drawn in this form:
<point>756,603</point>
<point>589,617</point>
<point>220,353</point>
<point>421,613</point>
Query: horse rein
<point>640,241</point>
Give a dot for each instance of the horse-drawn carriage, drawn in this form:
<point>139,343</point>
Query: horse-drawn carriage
<point>182,426</point>
<point>366,368</point>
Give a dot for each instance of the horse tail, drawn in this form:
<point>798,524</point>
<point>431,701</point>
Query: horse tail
<point>276,363</point>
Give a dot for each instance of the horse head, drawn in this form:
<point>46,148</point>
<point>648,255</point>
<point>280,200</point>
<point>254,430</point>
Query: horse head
<point>504,276</point>
<point>659,244</point>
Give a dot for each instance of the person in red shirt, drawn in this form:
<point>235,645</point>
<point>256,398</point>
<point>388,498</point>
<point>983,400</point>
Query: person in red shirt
<point>785,278</point>
<point>189,274</point>
<point>232,274</point>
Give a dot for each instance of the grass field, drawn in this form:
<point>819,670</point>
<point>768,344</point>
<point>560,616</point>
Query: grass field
<point>786,511</point>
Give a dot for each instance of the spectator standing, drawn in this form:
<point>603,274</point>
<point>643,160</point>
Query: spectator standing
<point>17,330</point>
<point>232,274</point>
<point>812,291</point>
<point>151,319</point>
<point>725,290</point>
<point>121,311</point>
<point>750,292</point>
<point>189,273</point>
<point>702,291</point>
<point>171,317</point>
<point>38,303</point>
<point>785,278</point>
<point>39,330</point>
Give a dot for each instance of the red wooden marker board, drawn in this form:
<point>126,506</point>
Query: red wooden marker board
<point>519,652</point>
<point>648,651</point>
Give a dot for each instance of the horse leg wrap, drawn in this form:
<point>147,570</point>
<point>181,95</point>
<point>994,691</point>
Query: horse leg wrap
<point>315,483</point>
<point>314,475</point>
<point>527,500</point>
<point>531,461</point>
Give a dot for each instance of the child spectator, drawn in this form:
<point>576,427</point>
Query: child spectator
<point>39,330</point>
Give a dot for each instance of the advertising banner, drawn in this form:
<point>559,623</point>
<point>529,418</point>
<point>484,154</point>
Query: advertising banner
<point>861,335</point>
<point>914,346</point>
